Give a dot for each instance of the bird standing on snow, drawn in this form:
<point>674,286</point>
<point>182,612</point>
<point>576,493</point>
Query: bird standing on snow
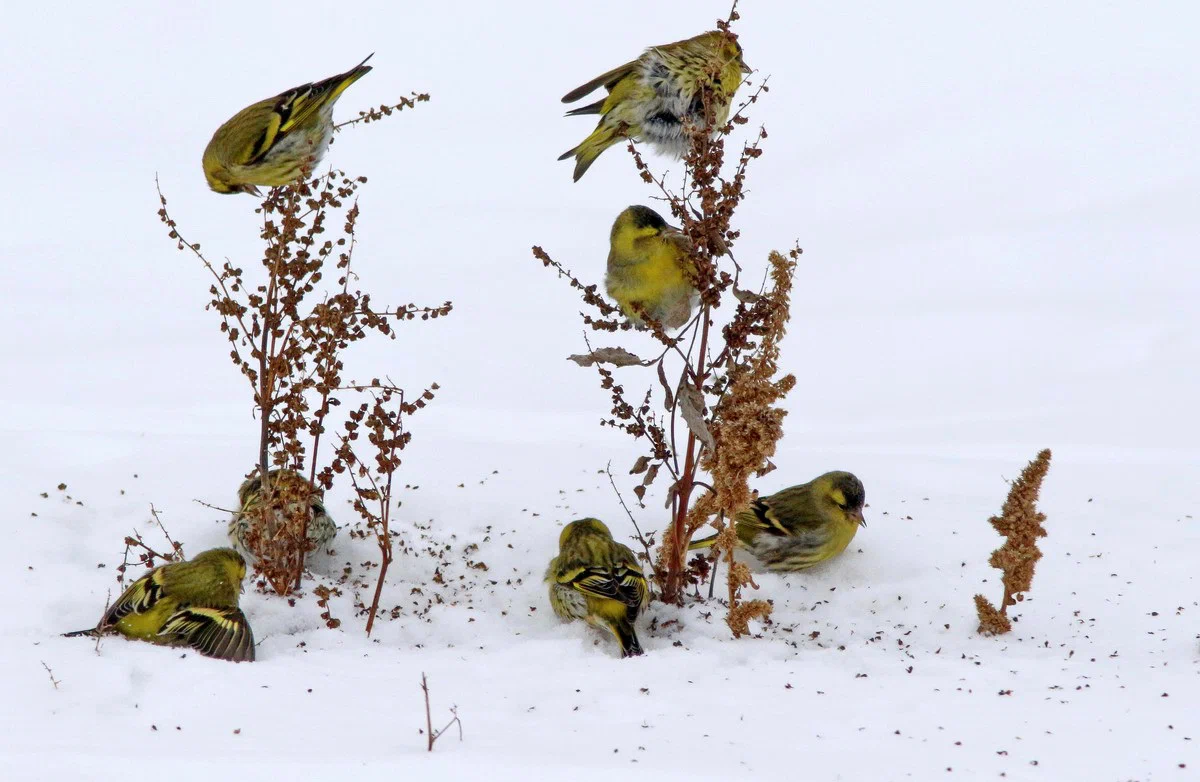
<point>796,528</point>
<point>651,98</point>
<point>273,142</point>
<point>285,484</point>
<point>193,603</point>
<point>596,579</point>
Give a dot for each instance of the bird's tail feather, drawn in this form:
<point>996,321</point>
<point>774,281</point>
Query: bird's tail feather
<point>627,638</point>
<point>342,82</point>
<point>591,108</point>
<point>590,148</point>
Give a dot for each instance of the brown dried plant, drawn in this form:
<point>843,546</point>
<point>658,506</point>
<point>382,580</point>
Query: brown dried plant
<point>1020,523</point>
<point>383,421</point>
<point>719,385</point>
<point>288,334</point>
<point>146,557</point>
<point>431,735</point>
<point>746,424</point>
<point>385,110</point>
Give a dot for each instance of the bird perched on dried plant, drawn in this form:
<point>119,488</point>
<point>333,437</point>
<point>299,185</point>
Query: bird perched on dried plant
<point>652,97</point>
<point>293,494</point>
<point>649,268</point>
<point>275,141</point>
<point>596,579</point>
<point>193,603</point>
<point>798,527</point>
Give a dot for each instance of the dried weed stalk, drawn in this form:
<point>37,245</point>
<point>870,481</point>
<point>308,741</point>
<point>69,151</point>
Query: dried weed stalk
<point>53,681</point>
<point>431,736</point>
<point>288,333</point>
<point>385,110</point>
<point>147,557</point>
<point>718,385</point>
<point>1020,523</point>
<point>383,421</point>
<point>746,423</point>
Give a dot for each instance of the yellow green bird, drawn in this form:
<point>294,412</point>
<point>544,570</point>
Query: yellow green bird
<point>193,603</point>
<point>287,485</point>
<point>798,527</point>
<point>651,98</point>
<point>275,141</point>
<point>649,268</point>
<point>598,580</point>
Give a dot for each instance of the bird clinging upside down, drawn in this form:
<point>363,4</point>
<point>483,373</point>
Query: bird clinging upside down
<point>651,98</point>
<point>275,141</point>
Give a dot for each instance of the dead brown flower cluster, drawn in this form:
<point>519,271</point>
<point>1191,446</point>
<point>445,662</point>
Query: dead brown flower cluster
<point>746,425</point>
<point>288,332</point>
<point>711,405</point>
<point>1020,523</point>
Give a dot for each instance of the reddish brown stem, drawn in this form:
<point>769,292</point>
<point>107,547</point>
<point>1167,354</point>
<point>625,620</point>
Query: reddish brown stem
<point>303,550</point>
<point>673,589</point>
<point>385,552</point>
<point>264,412</point>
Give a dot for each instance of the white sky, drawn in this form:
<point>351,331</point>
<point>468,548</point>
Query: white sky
<point>998,205</point>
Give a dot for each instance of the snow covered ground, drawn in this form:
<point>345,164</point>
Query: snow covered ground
<point>998,209</point>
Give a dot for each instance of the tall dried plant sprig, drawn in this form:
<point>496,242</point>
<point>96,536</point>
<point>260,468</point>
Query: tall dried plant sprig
<point>1020,522</point>
<point>713,384</point>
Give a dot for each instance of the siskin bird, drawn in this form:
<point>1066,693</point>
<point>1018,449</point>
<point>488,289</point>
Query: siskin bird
<point>651,98</point>
<point>648,268</point>
<point>321,528</point>
<point>193,603</point>
<point>596,579</point>
<point>273,142</point>
<point>798,527</point>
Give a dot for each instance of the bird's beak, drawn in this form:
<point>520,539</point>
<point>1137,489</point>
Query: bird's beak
<point>857,515</point>
<point>252,190</point>
<point>746,68</point>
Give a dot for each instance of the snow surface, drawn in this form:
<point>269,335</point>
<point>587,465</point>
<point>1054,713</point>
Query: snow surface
<point>998,209</point>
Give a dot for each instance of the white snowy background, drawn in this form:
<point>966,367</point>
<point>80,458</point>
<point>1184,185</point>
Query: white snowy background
<point>998,206</point>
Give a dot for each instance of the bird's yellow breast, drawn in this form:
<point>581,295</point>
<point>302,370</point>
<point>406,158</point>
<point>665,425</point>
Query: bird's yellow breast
<point>647,267</point>
<point>843,532</point>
